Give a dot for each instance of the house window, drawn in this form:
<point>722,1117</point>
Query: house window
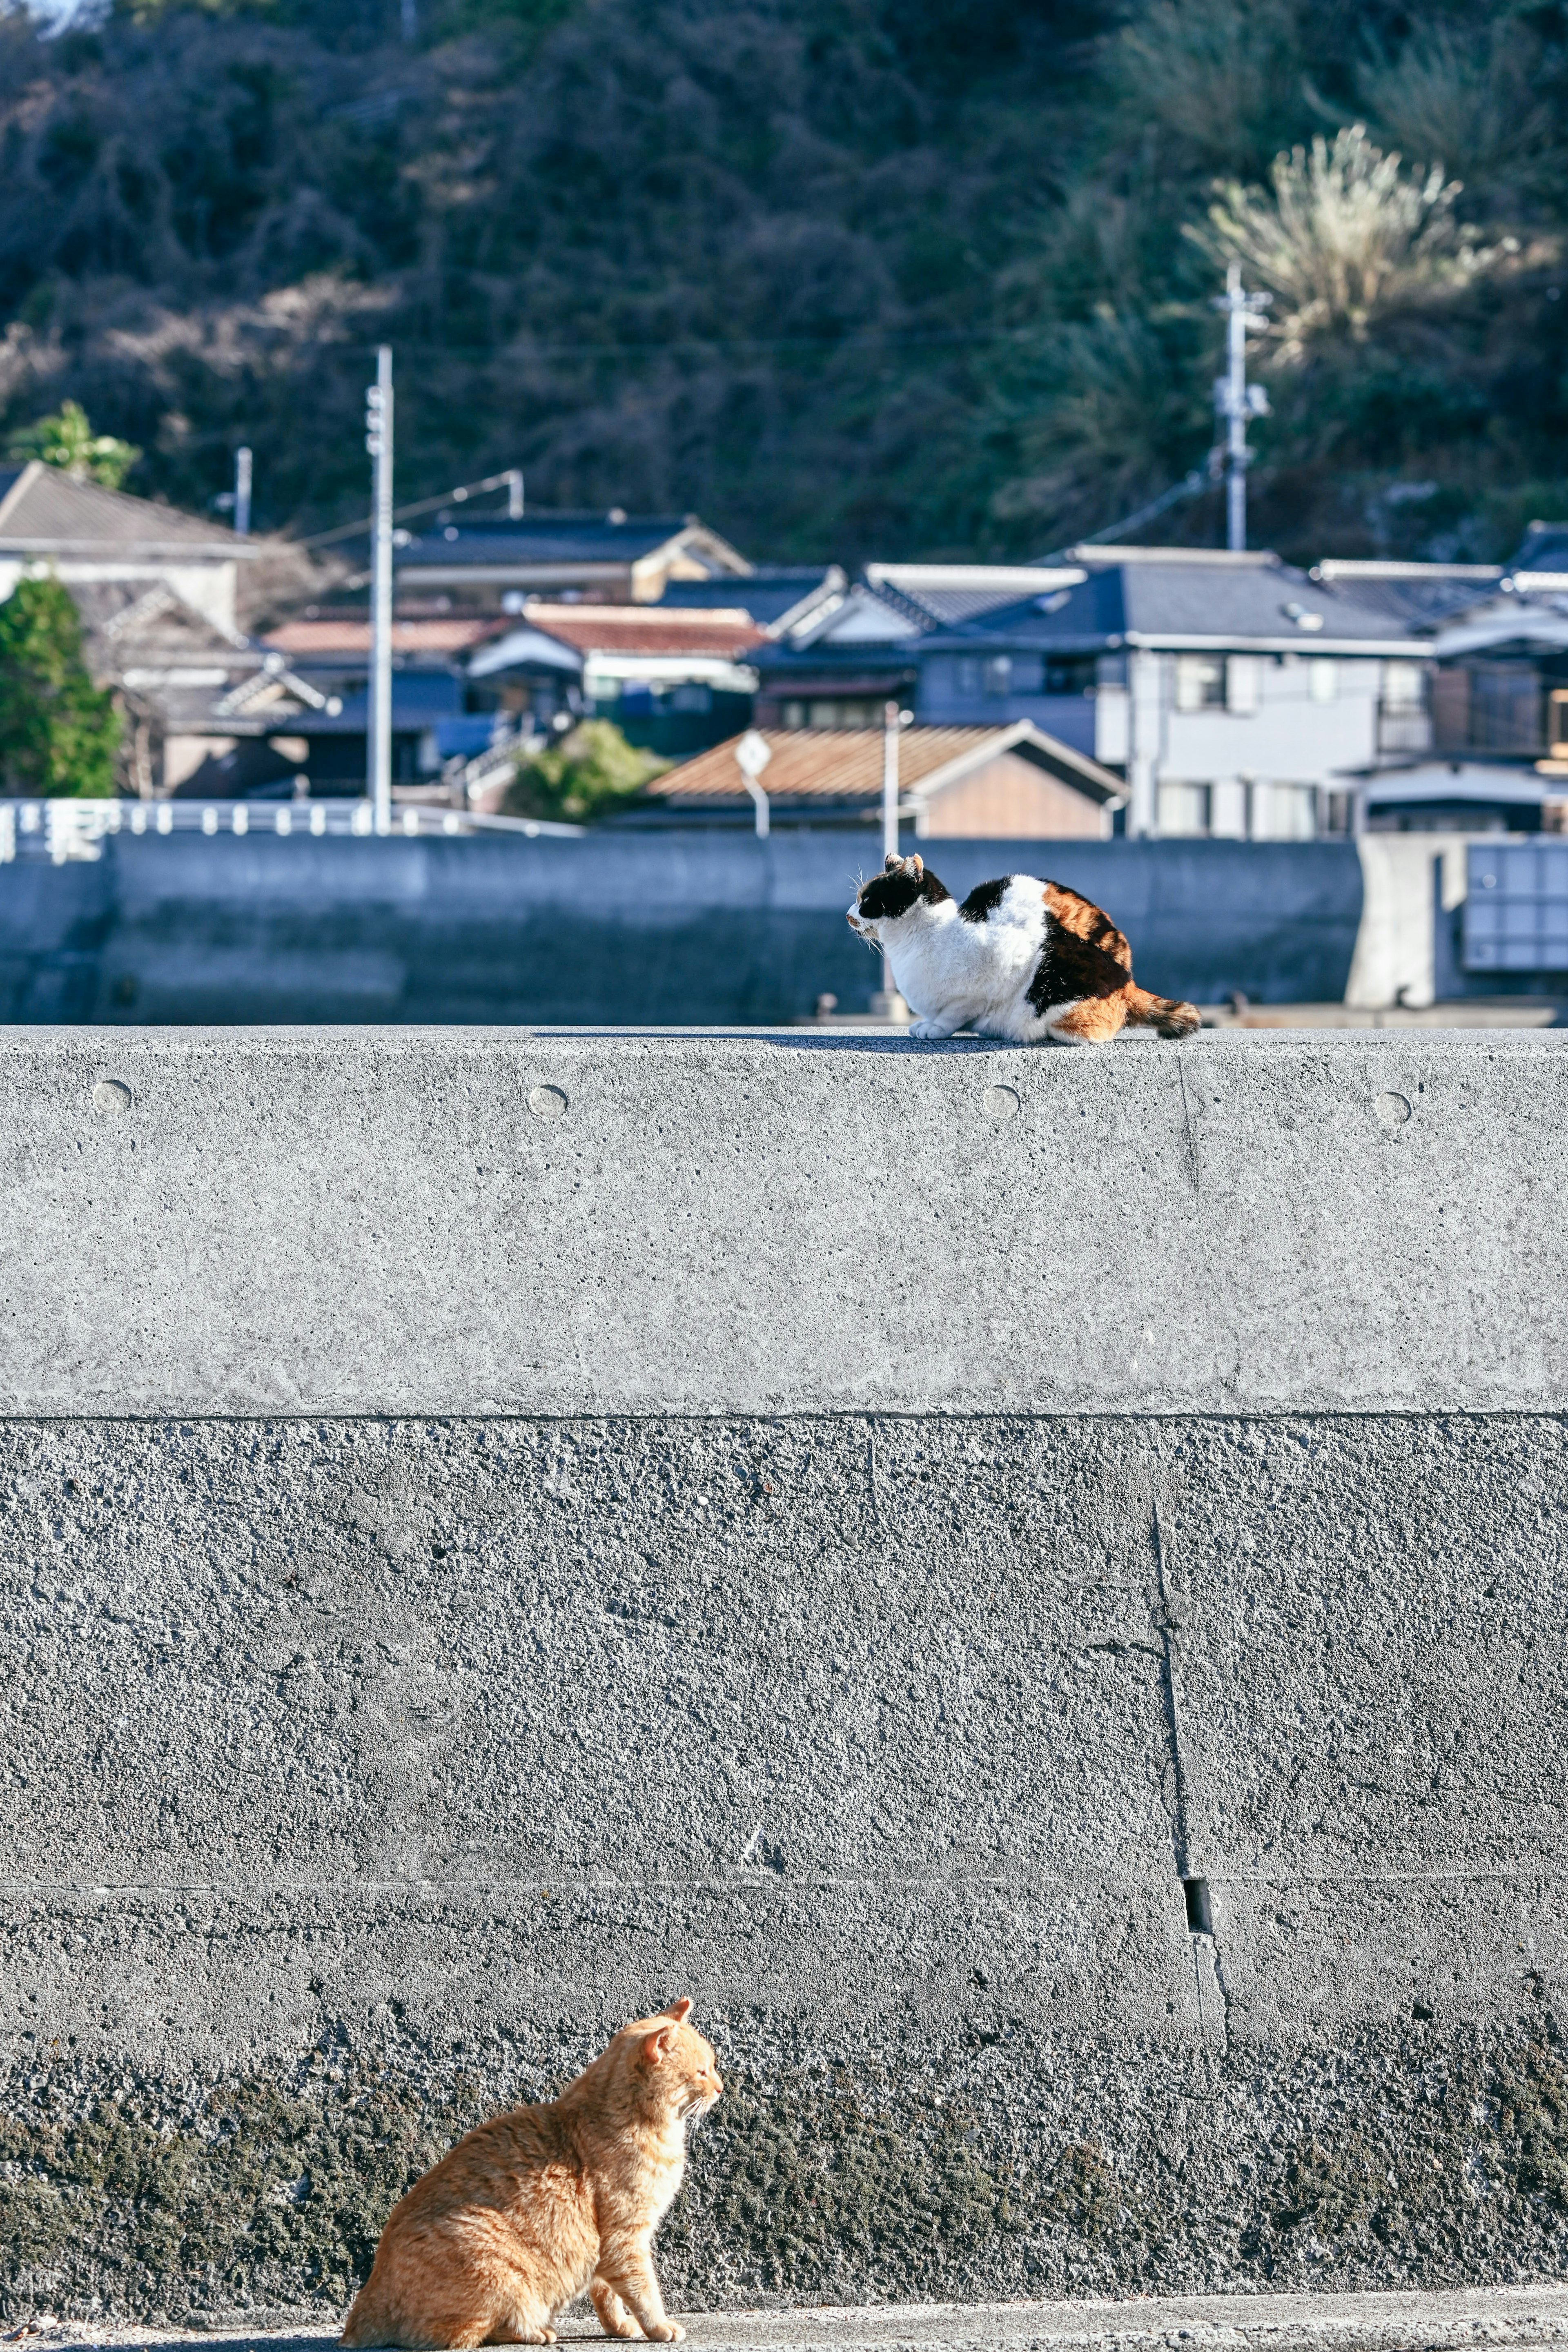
<point>1070,674</point>
<point>1240,683</point>
<point>999,677</point>
<point>793,715</point>
<point>690,697</point>
<point>1404,685</point>
<point>843,714</point>
<point>1284,812</point>
<point>1200,682</point>
<point>1184,809</point>
<point>1322,680</point>
<point>1557,722</point>
<point>969,677</point>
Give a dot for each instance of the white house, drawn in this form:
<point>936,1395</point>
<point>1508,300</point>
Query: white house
<point>84,534</point>
<point>1236,695</point>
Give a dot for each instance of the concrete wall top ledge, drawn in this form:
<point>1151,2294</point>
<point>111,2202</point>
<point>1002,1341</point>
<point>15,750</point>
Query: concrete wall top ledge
<point>446,1220</point>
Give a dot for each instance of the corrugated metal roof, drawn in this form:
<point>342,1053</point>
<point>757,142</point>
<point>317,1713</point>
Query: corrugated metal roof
<point>845,764</point>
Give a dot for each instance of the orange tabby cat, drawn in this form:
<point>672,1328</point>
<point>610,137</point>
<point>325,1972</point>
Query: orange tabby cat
<point>535,2206</point>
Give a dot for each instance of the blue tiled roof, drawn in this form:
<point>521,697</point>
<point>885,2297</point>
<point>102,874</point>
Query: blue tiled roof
<point>766,594</point>
<point>1177,599</point>
<point>542,538</point>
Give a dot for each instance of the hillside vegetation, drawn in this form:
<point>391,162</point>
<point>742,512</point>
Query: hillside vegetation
<point>845,276</point>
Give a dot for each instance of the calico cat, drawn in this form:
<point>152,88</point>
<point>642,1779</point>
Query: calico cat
<point>534,2206</point>
<point>1020,959</point>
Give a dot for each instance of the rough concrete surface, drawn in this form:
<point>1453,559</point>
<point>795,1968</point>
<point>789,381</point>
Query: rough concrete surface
<point>363,1774</point>
<point>497,1531</point>
<point>362,1222</point>
<point>1453,2322</point>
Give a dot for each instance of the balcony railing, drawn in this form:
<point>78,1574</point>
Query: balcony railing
<point>1404,727</point>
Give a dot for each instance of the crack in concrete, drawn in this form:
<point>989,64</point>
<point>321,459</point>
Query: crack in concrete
<point>1187,1124</point>
<point>1173,1615</point>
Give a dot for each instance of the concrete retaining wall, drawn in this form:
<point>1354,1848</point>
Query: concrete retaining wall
<point>691,927</point>
<point>1031,1584</point>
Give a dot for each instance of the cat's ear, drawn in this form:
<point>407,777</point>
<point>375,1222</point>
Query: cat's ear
<point>656,2047</point>
<point>919,864</point>
<point>680,2009</point>
<point>891,862</point>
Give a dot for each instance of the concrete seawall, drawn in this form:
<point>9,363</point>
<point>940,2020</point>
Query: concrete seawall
<point>707,926</point>
<point>1031,1584</point>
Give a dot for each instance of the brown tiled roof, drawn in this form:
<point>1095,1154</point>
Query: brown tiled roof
<point>303,638</point>
<point>645,628</point>
<point>845,764</point>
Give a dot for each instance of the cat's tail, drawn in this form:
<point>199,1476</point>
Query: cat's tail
<point>1161,1013</point>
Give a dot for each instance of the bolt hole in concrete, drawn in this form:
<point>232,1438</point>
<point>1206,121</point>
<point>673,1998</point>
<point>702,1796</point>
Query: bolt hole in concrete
<point>1200,1919</point>
<point>109,1096</point>
<point>1001,1102</point>
<point>547,1102</point>
<point>1392,1109</point>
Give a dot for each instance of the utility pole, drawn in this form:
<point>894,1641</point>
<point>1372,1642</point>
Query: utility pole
<point>378,441</point>
<point>514,494</point>
<point>891,722</point>
<point>1235,400</point>
<point>894,721</point>
<point>242,493</point>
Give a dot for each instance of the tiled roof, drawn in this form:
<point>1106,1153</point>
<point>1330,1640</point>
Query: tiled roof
<point>1186,595</point>
<point>767,593</point>
<point>1412,596</point>
<point>645,628</point>
<point>944,596</point>
<point>545,539</point>
<point>1544,549</point>
<point>845,764</point>
<point>42,508</point>
<point>300,639</point>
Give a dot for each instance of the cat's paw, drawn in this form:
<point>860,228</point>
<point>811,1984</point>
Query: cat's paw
<point>929,1029</point>
<point>666,2331</point>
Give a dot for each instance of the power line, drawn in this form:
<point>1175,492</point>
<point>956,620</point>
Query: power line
<point>511,355</point>
<point>511,481</point>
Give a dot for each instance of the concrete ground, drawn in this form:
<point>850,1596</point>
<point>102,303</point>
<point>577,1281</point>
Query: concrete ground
<point>1442,2322</point>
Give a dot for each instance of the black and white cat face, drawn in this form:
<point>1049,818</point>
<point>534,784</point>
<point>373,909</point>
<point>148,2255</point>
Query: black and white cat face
<point>902,885</point>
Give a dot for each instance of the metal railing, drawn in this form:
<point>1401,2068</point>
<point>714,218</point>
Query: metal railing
<point>62,830</point>
<point>1404,727</point>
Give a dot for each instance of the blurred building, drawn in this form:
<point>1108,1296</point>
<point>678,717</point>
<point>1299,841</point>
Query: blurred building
<point>1486,750</point>
<point>492,562</point>
<point>1232,694</point>
<point>1010,782</point>
<point>86,536</point>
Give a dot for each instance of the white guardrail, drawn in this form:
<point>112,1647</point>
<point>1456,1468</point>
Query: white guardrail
<point>64,829</point>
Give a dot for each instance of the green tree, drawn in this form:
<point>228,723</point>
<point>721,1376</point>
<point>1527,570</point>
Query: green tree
<point>67,440</point>
<point>59,732</point>
<point>583,776</point>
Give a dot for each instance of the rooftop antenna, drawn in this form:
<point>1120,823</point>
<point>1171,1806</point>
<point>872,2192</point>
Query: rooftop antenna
<point>1235,400</point>
<point>378,441</point>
